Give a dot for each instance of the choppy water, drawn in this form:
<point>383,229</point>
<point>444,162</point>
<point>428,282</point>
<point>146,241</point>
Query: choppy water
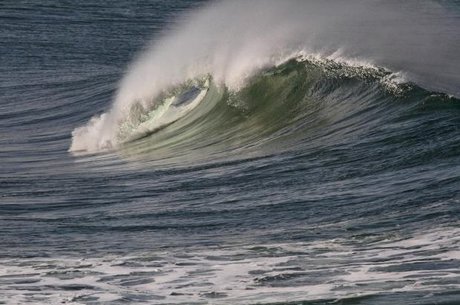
<point>262,161</point>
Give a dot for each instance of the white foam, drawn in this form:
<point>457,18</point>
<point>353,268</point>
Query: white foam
<point>325,269</point>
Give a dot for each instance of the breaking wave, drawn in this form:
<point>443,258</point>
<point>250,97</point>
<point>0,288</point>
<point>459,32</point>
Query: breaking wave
<point>240,74</point>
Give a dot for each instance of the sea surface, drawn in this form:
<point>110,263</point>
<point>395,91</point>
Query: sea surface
<point>230,152</point>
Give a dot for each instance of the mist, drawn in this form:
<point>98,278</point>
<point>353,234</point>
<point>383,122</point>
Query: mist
<point>232,40</point>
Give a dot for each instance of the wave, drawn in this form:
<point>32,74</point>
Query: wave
<point>303,102</point>
<point>240,74</point>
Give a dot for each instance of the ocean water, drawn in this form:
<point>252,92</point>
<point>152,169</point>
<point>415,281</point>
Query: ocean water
<point>230,152</point>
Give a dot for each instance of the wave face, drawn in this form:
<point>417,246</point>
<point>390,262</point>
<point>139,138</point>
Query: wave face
<point>301,104</point>
<point>255,152</point>
<point>232,41</point>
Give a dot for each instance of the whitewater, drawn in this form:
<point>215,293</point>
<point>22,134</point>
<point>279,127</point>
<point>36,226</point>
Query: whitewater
<point>230,152</point>
<point>218,41</point>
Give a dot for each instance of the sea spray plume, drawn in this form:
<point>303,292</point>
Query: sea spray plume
<point>232,40</point>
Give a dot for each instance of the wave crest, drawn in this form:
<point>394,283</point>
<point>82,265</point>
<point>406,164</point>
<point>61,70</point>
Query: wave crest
<point>233,41</point>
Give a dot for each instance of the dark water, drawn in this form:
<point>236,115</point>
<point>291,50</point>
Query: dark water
<point>316,182</point>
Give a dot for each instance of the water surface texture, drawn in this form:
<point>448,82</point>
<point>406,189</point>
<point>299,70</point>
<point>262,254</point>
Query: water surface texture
<point>230,152</point>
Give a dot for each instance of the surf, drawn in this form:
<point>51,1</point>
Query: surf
<point>231,43</point>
